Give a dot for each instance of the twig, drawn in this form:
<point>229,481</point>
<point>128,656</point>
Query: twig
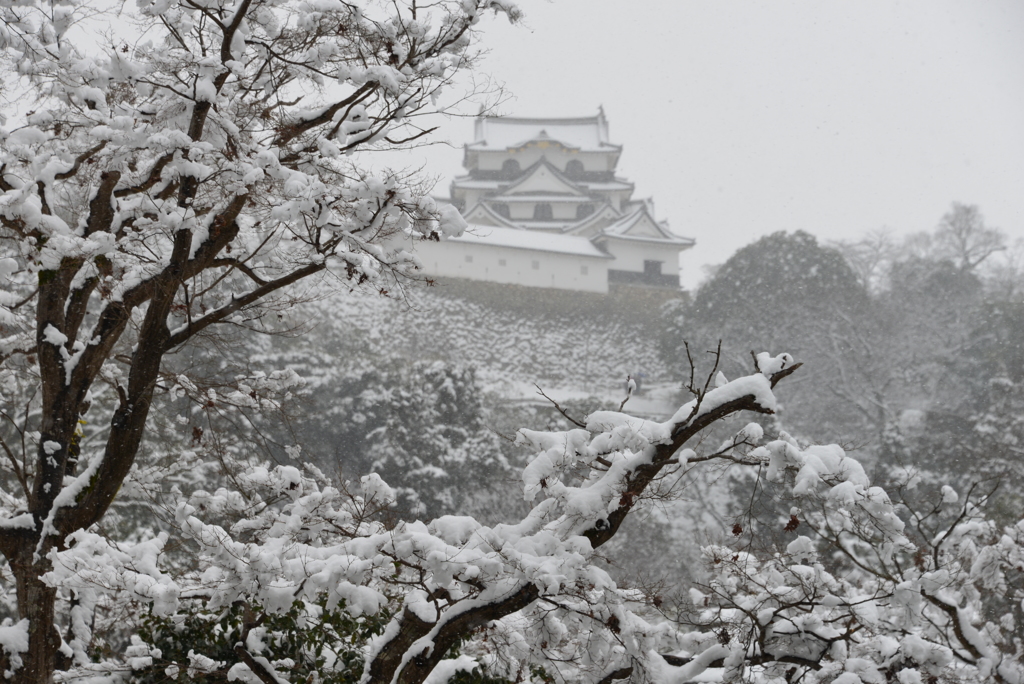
<point>559,408</point>
<point>689,359</point>
<point>629,391</point>
<point>714,370</point>
<point>785,372</point>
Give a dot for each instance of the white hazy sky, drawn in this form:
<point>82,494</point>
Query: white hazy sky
<point>745,118</point>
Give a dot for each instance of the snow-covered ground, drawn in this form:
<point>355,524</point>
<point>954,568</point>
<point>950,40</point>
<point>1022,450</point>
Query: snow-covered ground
<point>655,402</point>
<point>568,354</point>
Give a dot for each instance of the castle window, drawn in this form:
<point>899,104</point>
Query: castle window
<point>584,210</point>
<point>500,209</point>
<point>652,268</point>
<point>584,270</point>
<point>501,262</point>
<point>510,169</point>
<point>574,169</point>
<point>535,265</point>
<point>542,211</point>
<point>469,258</point>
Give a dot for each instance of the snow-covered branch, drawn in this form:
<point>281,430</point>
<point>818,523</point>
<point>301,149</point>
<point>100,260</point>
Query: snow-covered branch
<point>153,184</point>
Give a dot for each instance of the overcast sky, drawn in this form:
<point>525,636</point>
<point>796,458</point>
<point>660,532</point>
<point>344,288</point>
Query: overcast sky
<point>743,118</point>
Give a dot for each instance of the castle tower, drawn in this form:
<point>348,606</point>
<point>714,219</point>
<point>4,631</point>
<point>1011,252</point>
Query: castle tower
<point>549,185</point>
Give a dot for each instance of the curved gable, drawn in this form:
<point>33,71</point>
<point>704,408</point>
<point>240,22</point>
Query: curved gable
<point>543,178</point>
<point>481,214</point>
<point>596,222</point>
<point>644,226</point>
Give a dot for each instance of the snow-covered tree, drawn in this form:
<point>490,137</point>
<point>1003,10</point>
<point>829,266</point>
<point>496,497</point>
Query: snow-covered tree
<point>825,324</point>
<point>877,589</point>
<point>857,587</point>
<point>420,426</point>
<point>166,188</point>
<point>873,349</point>
<point>963,237</point>
<point>161,188</point>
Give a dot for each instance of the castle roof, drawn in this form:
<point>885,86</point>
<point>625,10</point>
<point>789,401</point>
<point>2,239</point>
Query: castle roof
<point>641,225</point>
<point>505,185</point>
<point>542,175</point>
<point>501,133</point>
<point>518,238</point>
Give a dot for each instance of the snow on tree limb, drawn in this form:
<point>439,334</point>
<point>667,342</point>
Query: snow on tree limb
<point>533,586</point>
<point>470,575</point>
<point>164,190</point>
<point>161,190</point>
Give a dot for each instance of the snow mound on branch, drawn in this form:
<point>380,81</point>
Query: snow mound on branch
<point>376,490</point>
<point>446,669</point>
<point>14,641</point>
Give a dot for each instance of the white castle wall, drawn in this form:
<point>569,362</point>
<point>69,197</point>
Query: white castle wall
<point>630,256</point>
<point>532,268</point>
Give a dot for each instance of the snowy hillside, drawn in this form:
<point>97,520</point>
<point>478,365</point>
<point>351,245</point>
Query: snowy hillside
<point>572,345</point>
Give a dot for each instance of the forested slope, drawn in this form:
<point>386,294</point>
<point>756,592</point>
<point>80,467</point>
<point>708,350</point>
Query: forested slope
<point>569,343</point>
<point>421,388</point>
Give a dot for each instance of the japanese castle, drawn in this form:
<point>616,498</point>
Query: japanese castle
<point>546,209</point>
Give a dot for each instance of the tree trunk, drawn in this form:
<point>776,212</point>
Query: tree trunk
<point>36,602</point>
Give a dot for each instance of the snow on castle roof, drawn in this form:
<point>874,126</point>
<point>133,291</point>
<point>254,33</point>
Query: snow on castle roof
<point>589,134</point>
<point>631,227</point>
<point>529,239</point>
